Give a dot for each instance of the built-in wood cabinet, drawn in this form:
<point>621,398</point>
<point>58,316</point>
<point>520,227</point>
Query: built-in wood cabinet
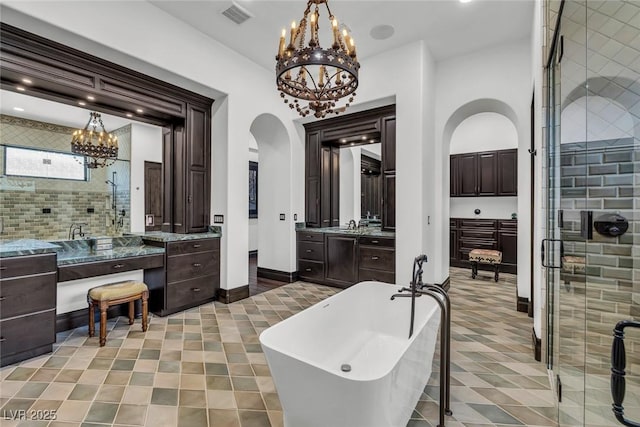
<point>191,276</point>
<point>466,234</point>
<point>28,290</point>
<point>322,163</point>
<point>489,173</point>
<point>344,259</point>
<point>198,169</point>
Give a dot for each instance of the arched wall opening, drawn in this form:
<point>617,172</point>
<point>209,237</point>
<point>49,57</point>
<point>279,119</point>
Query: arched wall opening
<point>274,193</point>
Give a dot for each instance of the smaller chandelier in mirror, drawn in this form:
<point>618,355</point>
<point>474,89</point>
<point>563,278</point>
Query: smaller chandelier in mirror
<point>325,78</point>
<point>98,146</point>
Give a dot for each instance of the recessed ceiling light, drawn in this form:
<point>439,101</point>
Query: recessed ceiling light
<point>91,97</point>
<point>465,1</point>
<point>129,115</point>
<point>18,109</point>
<point>363,138</point>
<point>343,140</point>
<point>353,143</point>
<point>382,32</point>
<point>26,81</point>
<point>371,141</point>
<point>20,88</point>
<point>82,103</point>
<point>140,110</point>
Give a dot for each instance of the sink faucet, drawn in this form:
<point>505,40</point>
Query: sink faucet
<point>352,225</point>
<point>416,286</point>
<point>76,227</point>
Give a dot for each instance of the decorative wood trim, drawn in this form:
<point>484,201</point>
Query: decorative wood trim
<point>228,296</point>
<point>348,119</point>
<point>537,345</point>
<point>253,252</point>
<point>34,124</point>
<point>523,305</point>
<point>281,276</point>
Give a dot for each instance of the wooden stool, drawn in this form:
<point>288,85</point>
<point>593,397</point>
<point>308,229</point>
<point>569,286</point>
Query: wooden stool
<point>485,256</point>
<point>116,293</point>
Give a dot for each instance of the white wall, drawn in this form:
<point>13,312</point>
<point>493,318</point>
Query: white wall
<point>146,33</point>
<point>490,207</point>
<point>146,145</point>
<point>500,77</point>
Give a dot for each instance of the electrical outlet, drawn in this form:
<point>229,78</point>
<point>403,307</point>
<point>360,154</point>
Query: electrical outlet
<point>282,217</point>
<point>148,220</point>
<point>295,217</point>
<point>46,210</point>
<point>218,219</point>
<point>91,210</point>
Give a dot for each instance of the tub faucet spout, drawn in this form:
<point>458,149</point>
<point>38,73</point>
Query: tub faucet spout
<point>415,286</point>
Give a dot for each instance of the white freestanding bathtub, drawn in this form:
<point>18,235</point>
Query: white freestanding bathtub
<point>363,328</point>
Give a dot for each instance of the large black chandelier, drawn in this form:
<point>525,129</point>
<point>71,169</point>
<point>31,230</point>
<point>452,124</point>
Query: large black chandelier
<point>307,72</point>
<point>99,147</point>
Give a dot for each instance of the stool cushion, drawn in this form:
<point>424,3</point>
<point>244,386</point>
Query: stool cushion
<point>113,291</point>
<point>486,256</point>
<point>573,264</point>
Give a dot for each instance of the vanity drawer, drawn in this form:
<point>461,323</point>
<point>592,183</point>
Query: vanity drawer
<point>26,265</point>
<point>27,332</point>
<point>311,250</point>
<point>477,223</point>
<point>309,236</point>
<point>377,258</point>
<point>189,292</point>
<point>27,295</point>
<point>511,224</point>
<point>478,234</point>
<point>100,268</point>
<point>310,270</point>
<point>181,267</point>
<point>191,246</point>
<point>377,241</point>
<point>377,275</point>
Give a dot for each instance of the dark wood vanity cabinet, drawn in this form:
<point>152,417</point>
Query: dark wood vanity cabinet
<point>489,173</point>
<point>467,234</point>
<point>28,289</point>
<point>198,168</point>
<point>191,276</point>
<point>389,173</point>
<point>344,259</point>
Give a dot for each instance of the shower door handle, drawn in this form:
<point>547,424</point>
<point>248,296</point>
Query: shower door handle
<point>618,365</point>
<point>561,250</point>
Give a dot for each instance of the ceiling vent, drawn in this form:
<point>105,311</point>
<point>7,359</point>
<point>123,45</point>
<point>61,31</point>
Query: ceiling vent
<point>237,13</point>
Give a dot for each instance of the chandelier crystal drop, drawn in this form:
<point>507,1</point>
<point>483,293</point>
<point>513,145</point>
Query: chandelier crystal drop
<point>99,147</point>
<point>324,78</point>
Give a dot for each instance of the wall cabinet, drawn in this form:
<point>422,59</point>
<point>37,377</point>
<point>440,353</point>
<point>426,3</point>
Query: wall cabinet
<point>344,259</point>
<point>191,276</point>
<point>28,290</point>
<point>489,173</point>
<point>466,234</point>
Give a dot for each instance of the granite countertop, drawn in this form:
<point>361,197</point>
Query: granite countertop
<point>160,236</point>
<point>80,251</point>
<point>21,247</point>
<point>367,231</point>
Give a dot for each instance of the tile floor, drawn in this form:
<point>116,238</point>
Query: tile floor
<point>205,367</point>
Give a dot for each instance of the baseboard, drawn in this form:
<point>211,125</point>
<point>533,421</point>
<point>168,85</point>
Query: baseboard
<point>253,253</point>
<point>523,305</point>
<point>228,296</point>
<point>75,319</point>
<point>280,276</point>
<point>537,345</point>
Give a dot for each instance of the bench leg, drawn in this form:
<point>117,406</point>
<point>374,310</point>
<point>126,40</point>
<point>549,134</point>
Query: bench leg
<point>474,269</point>
<point>497,272</point>
<point>145,310</point>
<point>92,319</point>
<point>103,323</point>
<point>131,312</point>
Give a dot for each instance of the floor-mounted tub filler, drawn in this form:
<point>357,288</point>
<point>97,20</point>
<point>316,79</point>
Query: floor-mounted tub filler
<point>347,362</point>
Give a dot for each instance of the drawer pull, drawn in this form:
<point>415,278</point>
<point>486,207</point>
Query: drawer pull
<point>309,251</point>
<point>197,245</point>
<point>197,264</point>
<point>118,266</point>
<point>307,269</point>
<point>309,236</point>
<point>2,339</point>
<point>375,242</point>
<point>3,268</point>
<point>3,298</point>
<point>375,258</point>
<point>195,289</point>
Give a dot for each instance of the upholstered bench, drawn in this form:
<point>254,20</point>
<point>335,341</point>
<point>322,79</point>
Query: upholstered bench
<point>485,256</point>
<point>116,293</point>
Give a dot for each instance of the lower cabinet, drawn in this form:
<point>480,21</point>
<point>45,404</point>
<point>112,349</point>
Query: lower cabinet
<point>191,276</point>
<point>342,259</point>
<point>27,307</point>
<point>467,234</point>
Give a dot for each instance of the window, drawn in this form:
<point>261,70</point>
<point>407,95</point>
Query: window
<point>43,164</point>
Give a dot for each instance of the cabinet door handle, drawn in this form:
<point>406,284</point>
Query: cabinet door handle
<point>309,251</point>
<point>307,269</point>
<point>309,237</point>
<point>2,339</point>
<point>3,268</point>
<point>197,245</point>
<point>118,266</point>
<point>197,264</point>
<point>375,258</point>
<point>3,298</point>
<point>375,242</point>
<point>195,289</point>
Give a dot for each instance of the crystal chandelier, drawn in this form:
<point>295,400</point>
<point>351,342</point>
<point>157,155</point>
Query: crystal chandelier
<point>99,147</point>
<point>307,72</point>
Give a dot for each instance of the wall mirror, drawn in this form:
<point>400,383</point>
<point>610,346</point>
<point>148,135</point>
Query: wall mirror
<point>361,184</point>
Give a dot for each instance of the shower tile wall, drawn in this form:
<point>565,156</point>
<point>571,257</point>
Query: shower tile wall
<point>22,199</point>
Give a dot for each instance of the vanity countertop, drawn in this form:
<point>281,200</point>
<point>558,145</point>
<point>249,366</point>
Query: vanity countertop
<point>160,236</point>
<point>367,231</point>
<point>21,247</point>
<point>86,255</point>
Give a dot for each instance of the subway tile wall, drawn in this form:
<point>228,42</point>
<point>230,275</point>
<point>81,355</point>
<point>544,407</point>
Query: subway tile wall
<point>22,199</point>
